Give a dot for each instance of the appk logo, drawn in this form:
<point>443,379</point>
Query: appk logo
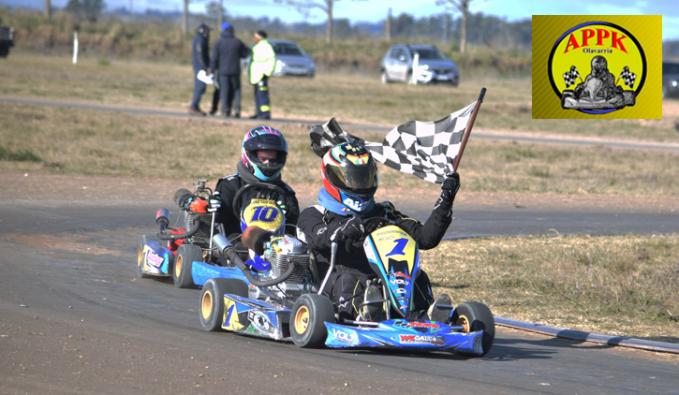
<point>607,67</point>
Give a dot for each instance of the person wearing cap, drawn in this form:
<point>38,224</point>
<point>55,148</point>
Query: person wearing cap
<point>261,67</point>
<point>200,48</point>
<point>225,63</point>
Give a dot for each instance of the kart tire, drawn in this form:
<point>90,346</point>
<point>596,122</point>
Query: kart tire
<point>308,314</point>
<point>476,316</point>
<point>141,258</point>
<point>181,273</point>
<point>211,310</point>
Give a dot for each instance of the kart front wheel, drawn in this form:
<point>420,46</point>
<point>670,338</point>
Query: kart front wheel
<point>212,300</point>
<point>306,320</point>
<point>186,254</point>
<point>475,316</point>
<point>141,258</point>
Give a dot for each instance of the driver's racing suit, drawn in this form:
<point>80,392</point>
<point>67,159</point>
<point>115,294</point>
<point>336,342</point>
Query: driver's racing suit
<point>229,185</point>
<point>347,284</point>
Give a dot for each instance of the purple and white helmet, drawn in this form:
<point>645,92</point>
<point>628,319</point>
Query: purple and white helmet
<point>264,138</point>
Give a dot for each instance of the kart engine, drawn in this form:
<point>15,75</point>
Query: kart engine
<point>194,212</point>
<point>281,252</point>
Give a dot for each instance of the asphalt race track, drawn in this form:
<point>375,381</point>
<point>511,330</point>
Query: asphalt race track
<point>74,319</point>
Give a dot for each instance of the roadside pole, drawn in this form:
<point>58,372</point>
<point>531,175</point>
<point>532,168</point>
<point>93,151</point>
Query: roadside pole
<point>75,45</point>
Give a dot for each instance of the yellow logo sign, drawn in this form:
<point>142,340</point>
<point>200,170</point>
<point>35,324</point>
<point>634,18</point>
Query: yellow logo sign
<point>596,68</point>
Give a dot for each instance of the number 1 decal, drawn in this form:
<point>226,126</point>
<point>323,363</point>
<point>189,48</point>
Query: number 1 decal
<point>399,247</point>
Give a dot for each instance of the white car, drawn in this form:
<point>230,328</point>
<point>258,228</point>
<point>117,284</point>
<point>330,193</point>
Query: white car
<point>292,60</point>
<point>420,64</point>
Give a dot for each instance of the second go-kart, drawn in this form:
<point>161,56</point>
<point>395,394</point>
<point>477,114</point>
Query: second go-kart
<point>186,253</point>
<point>171,252</point>
<point>282,297</point>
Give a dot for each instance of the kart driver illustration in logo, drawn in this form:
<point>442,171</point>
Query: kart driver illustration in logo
<point>607,48</point>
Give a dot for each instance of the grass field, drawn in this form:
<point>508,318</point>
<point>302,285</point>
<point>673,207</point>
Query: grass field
<point>625,285</point>
<point>356,97</point>
<point>88,142</point>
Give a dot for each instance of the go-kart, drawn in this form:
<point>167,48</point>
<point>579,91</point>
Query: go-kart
<point>279,294</point>
<point>172,250</point>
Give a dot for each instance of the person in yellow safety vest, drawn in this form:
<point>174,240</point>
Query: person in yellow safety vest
<point>262,65</point>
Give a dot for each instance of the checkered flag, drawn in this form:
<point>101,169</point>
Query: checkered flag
<point>428,150</point>
<point>424,149</point>
<point>570,76</point>
<point>628,77</point>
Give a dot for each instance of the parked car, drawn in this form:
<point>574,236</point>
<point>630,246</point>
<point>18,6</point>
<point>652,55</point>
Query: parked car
<point>670,79</point>
<point>292,60</point>
<point>6,40</point>
<point>432,66</point>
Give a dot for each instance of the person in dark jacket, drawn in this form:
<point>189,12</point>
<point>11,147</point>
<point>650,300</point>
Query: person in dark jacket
<point>264,151</point>
<point>200,50</point>
<point>345,202</point>
<point>225,63</point>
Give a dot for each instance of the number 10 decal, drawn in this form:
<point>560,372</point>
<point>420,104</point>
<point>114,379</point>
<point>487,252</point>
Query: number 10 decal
<point>264,214</point>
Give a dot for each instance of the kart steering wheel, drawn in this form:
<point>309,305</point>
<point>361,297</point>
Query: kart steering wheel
<point>375,223</point>
<point>271,188</point>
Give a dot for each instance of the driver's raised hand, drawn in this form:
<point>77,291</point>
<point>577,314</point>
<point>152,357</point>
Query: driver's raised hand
<point>449,188</point>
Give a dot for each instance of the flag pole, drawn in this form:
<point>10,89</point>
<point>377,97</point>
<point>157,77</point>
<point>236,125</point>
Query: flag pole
<point>468,128</point>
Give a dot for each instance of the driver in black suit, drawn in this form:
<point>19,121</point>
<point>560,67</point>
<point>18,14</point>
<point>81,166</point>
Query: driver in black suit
<point>347,210</point>
<point>264,151</point>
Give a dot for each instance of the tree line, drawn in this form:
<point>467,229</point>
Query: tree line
<point>455,24</point>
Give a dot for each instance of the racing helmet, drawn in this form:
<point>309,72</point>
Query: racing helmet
<point>350,175</point>
<point>264,138</point>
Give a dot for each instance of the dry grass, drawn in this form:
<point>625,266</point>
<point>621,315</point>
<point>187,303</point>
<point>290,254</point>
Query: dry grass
<point>358,97</point>
<point>618,285</point>
<point>88,142</point>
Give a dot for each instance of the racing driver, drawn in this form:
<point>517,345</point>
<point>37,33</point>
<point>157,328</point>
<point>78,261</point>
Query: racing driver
<point>345,202</point>
<point>264,151</point>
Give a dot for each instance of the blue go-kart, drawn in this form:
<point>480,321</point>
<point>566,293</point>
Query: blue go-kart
<point>279,294</point>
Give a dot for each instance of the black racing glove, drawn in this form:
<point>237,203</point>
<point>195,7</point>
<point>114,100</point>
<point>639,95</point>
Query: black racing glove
<point>449,188</point>
<point>351,230</point>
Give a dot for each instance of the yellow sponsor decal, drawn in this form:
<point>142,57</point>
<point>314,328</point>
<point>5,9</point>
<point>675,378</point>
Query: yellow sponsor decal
<point>393,242</point>
<point>263,213</point>
<point>231,321</point>
<point>594,67</point>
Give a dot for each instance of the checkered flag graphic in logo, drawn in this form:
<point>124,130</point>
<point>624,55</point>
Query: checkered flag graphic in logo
<point>628,77</point>
<point>571,76</point>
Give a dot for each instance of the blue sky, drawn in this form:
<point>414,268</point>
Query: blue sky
<point>375,10</point>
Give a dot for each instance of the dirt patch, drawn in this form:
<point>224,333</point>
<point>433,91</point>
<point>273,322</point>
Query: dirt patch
<point>72,243</point>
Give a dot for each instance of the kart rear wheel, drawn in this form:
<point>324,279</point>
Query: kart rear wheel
<point>476,316</point>
<point>212,300</point>
<point>186,254</point>
<point>306,320</point>
<point>141,258</point>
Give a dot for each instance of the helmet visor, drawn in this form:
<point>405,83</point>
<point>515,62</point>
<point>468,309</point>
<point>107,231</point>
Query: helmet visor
<point>268,165</point>
<point>361,180</point>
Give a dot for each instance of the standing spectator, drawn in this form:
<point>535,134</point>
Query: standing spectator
<point>226,56</point>
<point>261,67</point>
<point>200,48</point>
